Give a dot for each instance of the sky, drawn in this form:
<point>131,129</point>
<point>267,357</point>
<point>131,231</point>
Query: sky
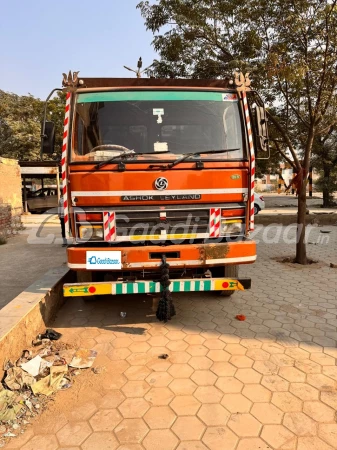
<point>41,39</point>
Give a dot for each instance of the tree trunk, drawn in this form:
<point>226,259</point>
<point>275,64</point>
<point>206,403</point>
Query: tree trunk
<point>326,191</point>
<point>301,251</point>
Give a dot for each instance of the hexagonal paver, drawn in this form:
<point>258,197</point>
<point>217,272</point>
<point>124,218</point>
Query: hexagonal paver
<point>258,354</point>
<point>200,362</point>
<point>213,415</point>
<point>42,442</point>
<point>330,371</point>
<point>104,440</point>
<point>117,354</point>
<point>229,385</point>
<point>131,430</point>
<point>308,366</point>
<point>312,443</point>
<point>267,413</point>
<point>278,436</point>
<point>180,370</point>
<point>159,396</point>
<point>177,346</point>
<point>297,353</point>
<point>137,373</point>
<point>139,359</point>
<point>73,433</point>
<point>292,374</point>
<point>158,365</point>
<point>328,432</point>
<point>110,400</point>
<point>115,382</point>
<point>286,402</point>
<point>158,341</point>
<point>218,355</point>
<point>135,388</point>
<point>241,362</point>
<point>208,394</point>
<point>223,369</point>
<point>105,420</point>
<point>236,349</point>
<point>275,383</point>
<point>159,417</point>
<point>322,382</point>
<point>244,425</point>
<point>191,445</point>
<point>188,428</point>
<point>179,357</point>
<point>300,424</point>
<point>265,367</point>
<point>185,405</point>
<point>323,359</point>
<point>214,344</point>
<point>204,377</point>
<point>256,393</point>
<point>194,339</point>
<point>319,411</point>
<point>248,376</point>
<point>304,391</point>
<point>159,379</point>
<point>183,386</point>
<point>273,348</point>
<point>133,408</point>
<point>236,403</point>
<point>121,342</point>
<point>197,350</point>
<point>139,347</point>
<point>217,438</point>
<point>163,439</point>
<point>252,444</point>
<point>330,398</point>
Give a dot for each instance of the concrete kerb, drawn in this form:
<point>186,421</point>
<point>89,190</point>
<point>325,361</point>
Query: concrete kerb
<point>31,312</point>
<point>290,219</point>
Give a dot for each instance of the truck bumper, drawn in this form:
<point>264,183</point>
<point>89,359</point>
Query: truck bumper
<point>147,287</point>
<point>191,255</point>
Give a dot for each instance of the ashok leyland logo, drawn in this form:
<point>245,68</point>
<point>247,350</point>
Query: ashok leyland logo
<point>161,183</point>
<point>104,260</point>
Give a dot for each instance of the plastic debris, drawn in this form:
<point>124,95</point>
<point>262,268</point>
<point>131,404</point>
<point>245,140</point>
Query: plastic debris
<point>50,334</point>
<point>33,366</point>
<point>83,358</point>
<point>48,385</point>
<point>16,379</point>
<point>163,356</point>
<point>122,314</point>
<point>240,317</point>
<point>9,406</point>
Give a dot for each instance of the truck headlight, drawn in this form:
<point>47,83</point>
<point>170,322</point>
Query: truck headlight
<point>231,227</point>
<point>91,232</point>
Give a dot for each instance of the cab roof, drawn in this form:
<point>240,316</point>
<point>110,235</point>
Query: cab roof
<point>154,82</point>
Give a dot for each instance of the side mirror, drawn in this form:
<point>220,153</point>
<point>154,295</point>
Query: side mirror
<point>262,128</point>
<point>48,138</point>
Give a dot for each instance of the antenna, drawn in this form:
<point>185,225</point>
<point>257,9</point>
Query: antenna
<point>138,72</point>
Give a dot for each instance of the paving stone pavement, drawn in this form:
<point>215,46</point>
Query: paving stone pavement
<point>269,382</point>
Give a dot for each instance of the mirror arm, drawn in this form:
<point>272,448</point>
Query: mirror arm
<point>44,119</point>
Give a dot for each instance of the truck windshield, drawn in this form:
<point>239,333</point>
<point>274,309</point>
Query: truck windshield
<point>158,124</point>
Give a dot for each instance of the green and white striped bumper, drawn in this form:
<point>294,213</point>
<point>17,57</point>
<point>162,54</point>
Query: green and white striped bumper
<point>151,287</point>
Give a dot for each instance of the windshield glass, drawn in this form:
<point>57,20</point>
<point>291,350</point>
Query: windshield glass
<point>171,123</point>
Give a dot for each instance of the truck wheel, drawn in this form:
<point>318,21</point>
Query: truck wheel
<point>230,271</point>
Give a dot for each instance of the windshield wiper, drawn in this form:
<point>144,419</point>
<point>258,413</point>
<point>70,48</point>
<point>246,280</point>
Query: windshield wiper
<point>189,155</point>
<point>122,155</point>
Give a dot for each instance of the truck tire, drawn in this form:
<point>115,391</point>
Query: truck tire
<point>230,271</point>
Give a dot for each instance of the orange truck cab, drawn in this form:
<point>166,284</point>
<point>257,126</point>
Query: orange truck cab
<point>158,183</point>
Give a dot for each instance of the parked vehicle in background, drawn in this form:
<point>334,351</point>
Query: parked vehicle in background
<point>258,203</point>
<point>42,200</point>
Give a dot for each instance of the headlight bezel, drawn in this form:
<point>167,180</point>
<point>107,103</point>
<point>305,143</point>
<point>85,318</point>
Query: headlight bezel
<point>96,234</point>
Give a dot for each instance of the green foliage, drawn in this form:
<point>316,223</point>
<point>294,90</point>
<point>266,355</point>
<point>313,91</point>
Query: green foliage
<point>20,125</point>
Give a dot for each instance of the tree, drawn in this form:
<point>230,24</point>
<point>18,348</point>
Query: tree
<point>325,161</point>
<point>290,47</point>
<point>20,125</point>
